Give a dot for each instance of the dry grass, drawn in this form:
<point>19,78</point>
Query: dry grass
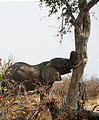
<point>91,103</point>
<point>60,89</point>
<point>92,94</point>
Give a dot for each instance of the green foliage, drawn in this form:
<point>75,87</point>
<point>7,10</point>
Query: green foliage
<point>4,71</point>
<point>68,11</point>
<point>64,5</point>
<point>64,9</point>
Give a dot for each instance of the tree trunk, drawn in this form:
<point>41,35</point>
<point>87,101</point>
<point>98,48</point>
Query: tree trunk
<point>81,39</point>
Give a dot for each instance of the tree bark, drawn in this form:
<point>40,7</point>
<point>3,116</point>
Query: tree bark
<point>81,40</point>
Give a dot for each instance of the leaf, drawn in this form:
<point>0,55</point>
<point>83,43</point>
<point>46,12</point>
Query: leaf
<point>53,99</point>
<point>1,97</point>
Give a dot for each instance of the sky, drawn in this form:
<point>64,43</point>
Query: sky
<point>28,35</point>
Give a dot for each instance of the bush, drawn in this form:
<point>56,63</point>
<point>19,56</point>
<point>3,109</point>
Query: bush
<point>92,88</point>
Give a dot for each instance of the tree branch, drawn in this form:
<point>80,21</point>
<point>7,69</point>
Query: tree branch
<point>90,5</point>
<point>83,11</point>
<point>72,20</point>
<point>69,12</point>
<point>87,8</point>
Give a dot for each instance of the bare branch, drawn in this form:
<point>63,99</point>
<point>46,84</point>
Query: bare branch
<point>34,115</point>
<point>94,107</point>
<point>90,5</point>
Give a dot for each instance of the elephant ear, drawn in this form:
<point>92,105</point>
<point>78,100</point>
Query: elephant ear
<point>73,58</point>
<point>49,75</point>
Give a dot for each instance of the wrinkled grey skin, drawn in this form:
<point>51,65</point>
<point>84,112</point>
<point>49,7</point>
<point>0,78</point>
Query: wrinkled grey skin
<point>44,73</point>
<point>64,65</point>
<point>30,75</point>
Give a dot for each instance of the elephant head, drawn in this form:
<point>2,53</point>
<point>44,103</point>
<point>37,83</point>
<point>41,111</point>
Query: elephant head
<point>63,65</point>
<point>73,58</point>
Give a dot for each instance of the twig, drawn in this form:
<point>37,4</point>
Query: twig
<point>94,107</point>
<point>34,115</point>
<point>18,103</point>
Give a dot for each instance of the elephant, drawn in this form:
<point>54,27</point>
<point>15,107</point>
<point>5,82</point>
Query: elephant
<point>63,65</point>
<point>45,73</point>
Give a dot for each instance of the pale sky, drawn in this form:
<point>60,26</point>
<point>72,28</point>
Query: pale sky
<point>27,34</point>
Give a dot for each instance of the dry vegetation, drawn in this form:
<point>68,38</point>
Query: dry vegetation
<point>92,94</point>
<point>91,89</point>
<point>27,106</point>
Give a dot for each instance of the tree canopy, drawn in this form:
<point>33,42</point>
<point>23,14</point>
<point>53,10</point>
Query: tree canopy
<point>69,11</point>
